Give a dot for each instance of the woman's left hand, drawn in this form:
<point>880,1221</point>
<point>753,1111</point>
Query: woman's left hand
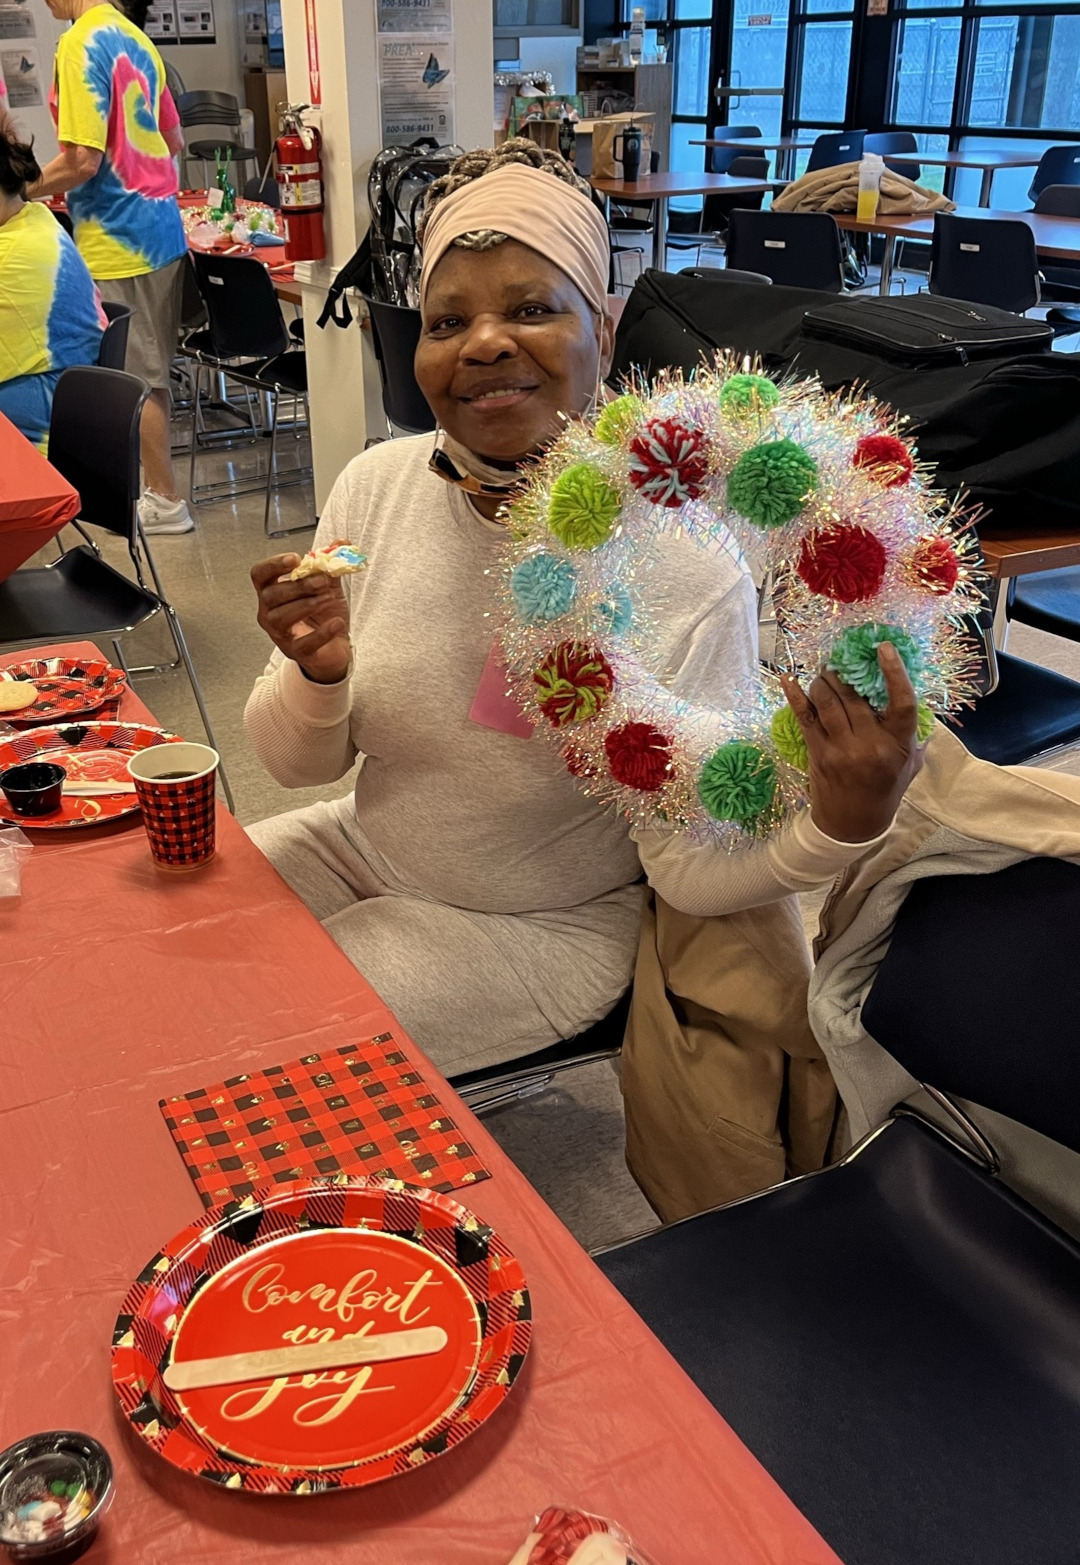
<point>861,761</point>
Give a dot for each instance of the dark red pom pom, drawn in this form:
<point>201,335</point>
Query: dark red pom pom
<point>843,563</point>
<point>639,756</point>
<point>669,462</point>
<point>888,458</point>
<point>935,565</point>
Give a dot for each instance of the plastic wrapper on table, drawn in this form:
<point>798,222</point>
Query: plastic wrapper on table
<point>563,1537</point>
<point>15,849</point>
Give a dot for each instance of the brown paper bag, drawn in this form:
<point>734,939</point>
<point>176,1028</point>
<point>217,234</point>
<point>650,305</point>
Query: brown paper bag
<point>604,165</point>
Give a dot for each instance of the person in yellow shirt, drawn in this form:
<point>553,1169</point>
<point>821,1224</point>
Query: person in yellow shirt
<point>118,130</point>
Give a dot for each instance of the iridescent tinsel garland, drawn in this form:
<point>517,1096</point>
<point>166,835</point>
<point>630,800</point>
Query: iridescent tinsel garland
<point>819,488</point>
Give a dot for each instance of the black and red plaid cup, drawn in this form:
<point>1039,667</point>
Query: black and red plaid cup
<point>177,810</point>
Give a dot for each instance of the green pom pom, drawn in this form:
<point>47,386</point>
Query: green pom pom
<point>619,419</point>
<point>583,507</point>
<point>745,396</point>
<point>789,739</point>
<point>737,783</point>
<point>924,725</point>
<point>854,658</point>
<point>771,483</point>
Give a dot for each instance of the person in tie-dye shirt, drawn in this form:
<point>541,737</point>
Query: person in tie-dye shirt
<point>119,130</point>
<point>50,317</point>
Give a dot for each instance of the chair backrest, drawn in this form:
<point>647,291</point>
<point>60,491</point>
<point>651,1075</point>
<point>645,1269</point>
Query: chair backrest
<point>979,992</point>
<point>1059,201</point>
<point>114,339</point>
<point>267,190</point>
<point>985,261</point>
<point>801,249</point>
<point>717,209</point>
<point>834,147</point>
<point>395,332</point>
<point>884,142</point>
<point>94,443</point>
<point>208,108</point>
<point>721,158</point>
<point>175,83</point>
<point>244,314</point>
<point>1057,166</point>
<point>723,274</point>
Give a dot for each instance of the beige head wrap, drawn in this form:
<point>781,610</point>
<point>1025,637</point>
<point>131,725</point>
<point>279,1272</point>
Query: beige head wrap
<point>525,204</point>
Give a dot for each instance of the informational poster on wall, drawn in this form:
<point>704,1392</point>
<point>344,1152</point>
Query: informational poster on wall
<point>161,22</point>
<point>195,23</point>
<point>416,87</point>
<point>22,77</point>
<point>16,19</point>
<point>415,16</point>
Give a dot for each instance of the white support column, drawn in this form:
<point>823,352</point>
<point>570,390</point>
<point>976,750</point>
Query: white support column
<point>343,377</point>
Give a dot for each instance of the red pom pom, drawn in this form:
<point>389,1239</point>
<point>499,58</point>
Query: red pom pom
<point>572,683</point>
<point>669,462</point>
<point>844,563</point>
<point>934,565</point>
<point>639,756</point>
<point>888,458</point>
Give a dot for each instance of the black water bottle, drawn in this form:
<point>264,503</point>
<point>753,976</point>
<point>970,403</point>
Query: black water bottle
<point>630,155</point>
<point>566,138</point>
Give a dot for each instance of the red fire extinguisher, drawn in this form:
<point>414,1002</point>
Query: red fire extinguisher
<point>298,155</point>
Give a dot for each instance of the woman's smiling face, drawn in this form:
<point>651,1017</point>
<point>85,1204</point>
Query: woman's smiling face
<point>508,344</point>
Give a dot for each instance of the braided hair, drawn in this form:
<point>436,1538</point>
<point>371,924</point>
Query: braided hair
<point>487,160</point>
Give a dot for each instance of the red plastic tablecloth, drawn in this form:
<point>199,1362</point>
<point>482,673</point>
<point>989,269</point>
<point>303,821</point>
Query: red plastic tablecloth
<point>35,502</point>
<point>122,985</point>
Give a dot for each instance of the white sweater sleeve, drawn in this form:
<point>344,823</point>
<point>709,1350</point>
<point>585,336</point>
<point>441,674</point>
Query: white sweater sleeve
<point>301,730</point>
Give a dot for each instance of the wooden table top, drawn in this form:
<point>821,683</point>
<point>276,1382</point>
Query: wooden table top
<point>758,143</point>
<point>652,187</point>
<point>1057,238</point>
<point>986,159</point>
<point>1026,554</point>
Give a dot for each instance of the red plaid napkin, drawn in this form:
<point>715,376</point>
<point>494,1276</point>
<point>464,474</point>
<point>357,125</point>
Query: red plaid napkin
<point>361,1109</point>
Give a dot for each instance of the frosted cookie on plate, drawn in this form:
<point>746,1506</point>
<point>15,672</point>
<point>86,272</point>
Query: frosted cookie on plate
<point>335,559</point>
<point>16,695</point>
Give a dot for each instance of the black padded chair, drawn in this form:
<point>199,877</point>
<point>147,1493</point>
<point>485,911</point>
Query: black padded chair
<point>835,147</point>
<point>1049,600</point>
<point>212,108</point>
<point>1059,201</point>
<point>395,333</point>
<point>94,443</point>
<point>267,190</point>
<point>112,353</point>
<point>887,142</point>
<point>1057,166</point>
<point>721,158</point>
<point>800,249</point>
<point>717,210</point>
<point>896,1337</point>
<point>984,261</point>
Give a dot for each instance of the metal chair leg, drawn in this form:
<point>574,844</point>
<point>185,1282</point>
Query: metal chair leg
<point>196,689</point>
<point>196,381</point>
<point>271,467</point>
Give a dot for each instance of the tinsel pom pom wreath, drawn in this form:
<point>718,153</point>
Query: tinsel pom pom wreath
<point>543,588</point>
<point>583,507</point>
<point>738,783</point>
<point>789,739</point>
<point>854,658</point>
<point>771,483</point>
<point>748,396</point>
<point>573,682</point>
<point>617,421</point>
<point>639,756</point>
<point>668,462</point>
<point>616,609</point>
<point>934,565</point>
<point>886,458</point>
<point>846,564</point>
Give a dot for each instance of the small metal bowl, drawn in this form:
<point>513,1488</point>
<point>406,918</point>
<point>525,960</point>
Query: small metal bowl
<point>55,1487</point>
<point>35,788</point>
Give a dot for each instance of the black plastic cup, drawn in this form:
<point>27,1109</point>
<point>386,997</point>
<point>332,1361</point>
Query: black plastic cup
<point>34,788</point>
<point>55,1487</point>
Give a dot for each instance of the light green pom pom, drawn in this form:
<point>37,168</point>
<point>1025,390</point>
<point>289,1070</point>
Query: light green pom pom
<point>737,783</point>
<point>619,419</point>
<point>583,507</point>
<point>924,725</point>
<point>746,396</point>
<point>854,658</point>
<point>771,483</point>
<point>789,739</point>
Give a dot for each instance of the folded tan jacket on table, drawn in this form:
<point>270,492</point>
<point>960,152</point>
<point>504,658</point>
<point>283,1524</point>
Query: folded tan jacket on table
<point>725,1089</point>
<point>837,190</point>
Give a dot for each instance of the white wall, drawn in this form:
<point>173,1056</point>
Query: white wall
<point>556,55</point>
<point>38,122</point>
<point>212,67</point>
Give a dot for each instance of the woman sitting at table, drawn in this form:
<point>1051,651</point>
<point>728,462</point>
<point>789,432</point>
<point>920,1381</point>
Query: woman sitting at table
<point>50,315</point>
<point>491,904</point>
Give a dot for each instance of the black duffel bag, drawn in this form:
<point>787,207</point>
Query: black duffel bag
<point>991,407</point>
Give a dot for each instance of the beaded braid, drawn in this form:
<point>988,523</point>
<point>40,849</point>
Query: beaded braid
<point>486,160</point>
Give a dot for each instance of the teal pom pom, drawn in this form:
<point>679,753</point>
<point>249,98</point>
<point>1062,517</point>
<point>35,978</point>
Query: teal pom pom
<point>789,739</point>
<point>616,609</point>
<point>771,483</point>
<point>583,507</point>
<point>543,587</point>
<point>747,396</point>
<point>854,658</point>
<point>737,783</point>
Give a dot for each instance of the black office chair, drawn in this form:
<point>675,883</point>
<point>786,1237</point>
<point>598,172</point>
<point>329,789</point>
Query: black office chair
<point>835,147</point>
<point>633,220</point>
<point>984,261</point>
<point>886,142</point>
<point>896,1337</point>
<point>1057,166</point>
<point>718,209</point>
<point>721,158</point>
<point>247,339</point>
<point>212,108</point>
<point>1059,201</point>
<point>1031,713</point>
<point>801,249</point>
<point>114,339</point>
<point>723,274</point>
<point>267,190</point>
<point>175,83</point>
<point>94,443</point>
<point>395,332</point>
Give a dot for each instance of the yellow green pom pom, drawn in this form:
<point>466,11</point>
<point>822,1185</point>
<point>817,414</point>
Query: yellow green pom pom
<point>583,507</point>
<point>737,783</point>
<point>746,396</point>
<point>924,724</point>
<point>789,739</point>
<point>771,483</point>
<point>618,420</point>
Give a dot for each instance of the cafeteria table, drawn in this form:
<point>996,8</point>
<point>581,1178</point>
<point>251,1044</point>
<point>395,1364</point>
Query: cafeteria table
<point>786,148</point>
<point>988,161</point>
<point>661,188</point>
<point>122,985</point>
<point>1056,238</point>
<point>35,501</point>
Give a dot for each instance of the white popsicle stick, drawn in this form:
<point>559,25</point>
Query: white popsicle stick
<point>95,790</point>
<point>269,1363</point>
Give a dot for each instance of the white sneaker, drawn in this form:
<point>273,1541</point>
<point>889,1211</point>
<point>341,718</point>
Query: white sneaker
<point>159,515</point>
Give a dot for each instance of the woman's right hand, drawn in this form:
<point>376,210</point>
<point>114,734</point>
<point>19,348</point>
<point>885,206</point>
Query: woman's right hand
<point>307,620</point>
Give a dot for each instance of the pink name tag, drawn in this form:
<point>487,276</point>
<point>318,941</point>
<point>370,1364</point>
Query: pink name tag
<point>492,707</point>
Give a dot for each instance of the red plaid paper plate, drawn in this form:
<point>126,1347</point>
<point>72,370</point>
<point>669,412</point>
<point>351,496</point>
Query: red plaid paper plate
<point>89,752</point>
<point>66,687</point>
<point>312,1262</point>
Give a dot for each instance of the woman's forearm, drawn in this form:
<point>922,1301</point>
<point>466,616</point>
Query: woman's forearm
<point>300,730</point>
<point>72,168</point>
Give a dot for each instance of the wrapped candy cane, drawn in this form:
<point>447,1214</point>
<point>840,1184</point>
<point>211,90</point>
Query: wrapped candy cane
<point>563,1537</point>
